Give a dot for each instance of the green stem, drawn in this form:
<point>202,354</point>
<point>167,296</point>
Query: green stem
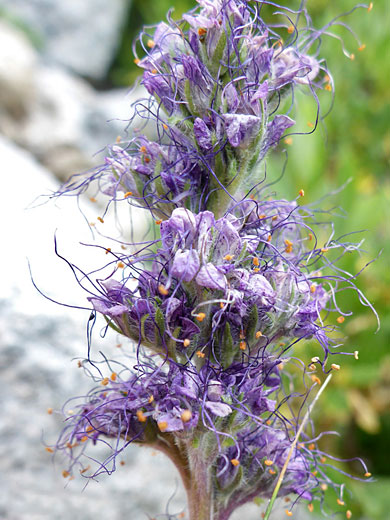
<point>300,429</point>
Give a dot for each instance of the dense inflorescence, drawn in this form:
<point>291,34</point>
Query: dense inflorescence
<point>235,277</point>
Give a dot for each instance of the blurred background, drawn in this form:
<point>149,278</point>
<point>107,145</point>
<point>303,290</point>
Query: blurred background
<point>66,69</point>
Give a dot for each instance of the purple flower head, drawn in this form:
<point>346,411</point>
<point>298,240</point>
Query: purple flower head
<point>231,277</point>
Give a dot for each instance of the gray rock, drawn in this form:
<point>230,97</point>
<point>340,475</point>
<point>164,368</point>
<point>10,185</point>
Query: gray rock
<point>81,36</point>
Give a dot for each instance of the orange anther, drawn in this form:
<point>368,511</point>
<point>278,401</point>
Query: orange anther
<point>290,29</point>
<point>200,354</point>
<point>301,193</point>
<point>186,342</point>
<point>289,141</point>
<point>310,507</point>
<point>312,446</point>
<point>84,439</point>
<point>202,31</point>
<point>324,487</point>
<point>288,513</point>
<point>122,463</point>
<point>128,194</point>
<point>340,319</point>
<point>324,250</point>
<point>256,269</point>
<point>369,8</point>
<point>255,261</point>
<point>108,250</point>
<point>340,502</point>
<point>269,238</point>
<point>49,411</point>
<point>242,345</point>
<point>113,376</point>
<point>136,61</point>
<point>162,290</point>
<point>49,450</point>
<point>186,416</point>
<point>201,316</point>
<point>100,220</point>
<point>141,416</point>
<point>165,126</point>
<point>316,379</point>
<point>92,199</point>
<point>105,381</point>
<point>235,462</point>
<point>150,44</point>
<point>154,71</point>
<point>335,367</point>
<point>312,288</point>
<point>310,124</point>
<point>275,217</point>
<point>272,471</point>
<point>143,149</point>
<point>120,265</point>
<point>151,399</point>
<point>158,222</point>
<point>310,236</point>
<point>268,462</point>
<point>258,334</point>
<point>323,459</point>
<point>65,473</point>
<point>328,87</point>
<point>228,258</point>
<point>362,47</point>
<point>352,56</point>
<point>348,514</point>
<point>367,474</point>
<point>162,425</point>
<point>269,422</point>
<point>89,428</point>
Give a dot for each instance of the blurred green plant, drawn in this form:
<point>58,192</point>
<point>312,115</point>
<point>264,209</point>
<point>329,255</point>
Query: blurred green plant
<point>352,147</point>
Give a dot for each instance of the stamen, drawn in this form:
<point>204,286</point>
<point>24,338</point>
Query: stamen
<point>301,193</point>
<point>151,44</point>
<point>268,462</point>
<point>186,416</point>
<point>258,334</point>
<point>310,507</point>
<point>335,367</point>
<point>348,514</point>
<point>100,220</point>
<point>200,354</point>
<point>235,462</point>
<point>128,194</point>
<point>162,425</point>
<point>256,261</point>
<point>242,345</point>
<point>340,319</point>
<point>186,342</point>
<point>105,381</point>
<point>340,502</point>
<point>141,416</point>
<point>113,376</point>
<point>162,290</point>
<point>228,258</point>
<point>201,316</point>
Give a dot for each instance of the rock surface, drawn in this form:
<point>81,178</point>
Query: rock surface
<point>82,36</point>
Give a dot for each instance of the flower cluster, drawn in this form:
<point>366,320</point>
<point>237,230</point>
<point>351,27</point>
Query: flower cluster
<point>236,276</point>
